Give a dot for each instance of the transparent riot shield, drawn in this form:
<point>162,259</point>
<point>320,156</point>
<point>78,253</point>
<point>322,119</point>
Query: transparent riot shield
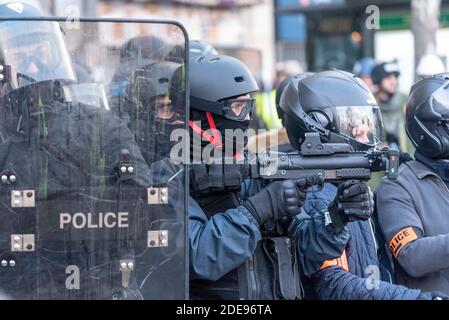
<point>91,205</point>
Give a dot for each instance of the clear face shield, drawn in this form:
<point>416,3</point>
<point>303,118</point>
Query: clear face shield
<point>360,123</point>
<point>440,105</point>
<point>438,110</point>
<point>33,51</point>
<point>90,209</point>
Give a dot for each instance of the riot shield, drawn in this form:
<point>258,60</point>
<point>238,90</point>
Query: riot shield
<point>91,205</point>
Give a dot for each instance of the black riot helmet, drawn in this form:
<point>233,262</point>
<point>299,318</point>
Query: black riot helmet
<point>138,52</point>
<point>144,48</point>
<point>216,84</point>
<point>215,78</point>
<point>151,81</point>
<point>31,52</point>
<point>427,116</point>
<point>280,89</point>
<point>336,104</point>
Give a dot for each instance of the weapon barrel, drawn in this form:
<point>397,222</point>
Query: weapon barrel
<point>296,161</point>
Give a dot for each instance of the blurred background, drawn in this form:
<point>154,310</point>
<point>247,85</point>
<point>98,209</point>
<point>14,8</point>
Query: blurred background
<point>317,34</point>
<point>279,38</point>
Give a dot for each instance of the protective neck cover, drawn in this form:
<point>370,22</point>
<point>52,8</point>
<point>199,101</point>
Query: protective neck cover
<point>231,143</point>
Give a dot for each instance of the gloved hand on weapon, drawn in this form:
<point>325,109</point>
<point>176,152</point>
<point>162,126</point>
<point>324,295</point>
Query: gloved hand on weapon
<point>354,201</point>
<point>281,199</point>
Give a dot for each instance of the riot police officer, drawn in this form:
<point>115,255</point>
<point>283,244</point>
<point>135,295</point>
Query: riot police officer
<point>151,114</point>
<point>236,249</point>
<point>339,106</point>
<point>68,157</point>
<point>36,72</point>
<point>412,210</point>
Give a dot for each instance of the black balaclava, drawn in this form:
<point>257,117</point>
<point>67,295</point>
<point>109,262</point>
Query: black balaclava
<point>152,133</point>
<point>160,144</point>
<point>221,124</point>
<point>215,178</point>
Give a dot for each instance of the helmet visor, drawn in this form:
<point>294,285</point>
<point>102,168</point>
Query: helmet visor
<point>439,105</point>
<point>360,123</point>
<point>34,51</point>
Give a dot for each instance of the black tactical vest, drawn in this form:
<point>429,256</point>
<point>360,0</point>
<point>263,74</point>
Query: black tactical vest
<point>272,273</point>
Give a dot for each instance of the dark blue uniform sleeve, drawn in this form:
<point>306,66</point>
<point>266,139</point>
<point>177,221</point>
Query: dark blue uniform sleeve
<point>222,243</point>
<point>334,283</point>
<point>316,243</point>
<point>397,211</point>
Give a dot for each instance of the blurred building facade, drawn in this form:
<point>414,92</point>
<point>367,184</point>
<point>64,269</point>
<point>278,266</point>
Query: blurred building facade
<point>327,34</point>
<point>320,34</point>
<point>242,28</point>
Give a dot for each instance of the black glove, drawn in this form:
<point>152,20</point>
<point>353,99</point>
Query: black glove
<point>354,201</point>
<point>280,199</point>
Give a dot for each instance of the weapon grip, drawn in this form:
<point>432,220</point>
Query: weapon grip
<point>313,180</point>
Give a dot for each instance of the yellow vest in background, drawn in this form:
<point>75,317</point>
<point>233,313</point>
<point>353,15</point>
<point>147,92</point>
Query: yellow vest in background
<point>266,109</point>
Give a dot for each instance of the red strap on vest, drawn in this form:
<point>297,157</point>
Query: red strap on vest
<point>215,138</point>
